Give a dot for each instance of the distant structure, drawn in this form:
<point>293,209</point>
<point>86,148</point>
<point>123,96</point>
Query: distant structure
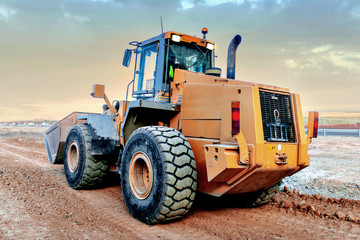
<point>44,124</point>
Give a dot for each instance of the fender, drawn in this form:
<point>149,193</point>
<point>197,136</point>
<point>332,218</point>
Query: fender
<point>103,133</point>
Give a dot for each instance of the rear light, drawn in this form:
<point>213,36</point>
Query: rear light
<point>316,124</point>
<point>235,117</point>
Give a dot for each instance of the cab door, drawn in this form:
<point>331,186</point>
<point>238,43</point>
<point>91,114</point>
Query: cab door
<point>146,71</point>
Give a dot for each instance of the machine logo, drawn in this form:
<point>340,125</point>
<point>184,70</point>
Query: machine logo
<point>277,116</point>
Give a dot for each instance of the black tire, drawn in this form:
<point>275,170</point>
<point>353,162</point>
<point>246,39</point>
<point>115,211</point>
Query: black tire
<point>264,196</point>
<point>85,171</point>
<point>170,192</point>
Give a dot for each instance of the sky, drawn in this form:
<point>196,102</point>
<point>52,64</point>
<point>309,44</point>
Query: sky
<point>53,51</point>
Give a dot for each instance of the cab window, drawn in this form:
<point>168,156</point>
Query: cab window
<point>188,56</point>
<point>146,67</point>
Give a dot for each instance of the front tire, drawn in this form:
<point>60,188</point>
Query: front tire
<point>82,170</point>
<point>158,175</point>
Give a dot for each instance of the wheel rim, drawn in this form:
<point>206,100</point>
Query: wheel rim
<point>141,175</point>
<point>73,156</point>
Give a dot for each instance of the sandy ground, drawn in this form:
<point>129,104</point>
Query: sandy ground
<point>334,169</point>
<point>37,203</point>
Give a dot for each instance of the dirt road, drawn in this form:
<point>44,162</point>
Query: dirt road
<point>37,203</point>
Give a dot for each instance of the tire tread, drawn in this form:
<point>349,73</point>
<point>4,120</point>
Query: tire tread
<point>265,196</point>
<point>95,169</point>
<point>181,176</point>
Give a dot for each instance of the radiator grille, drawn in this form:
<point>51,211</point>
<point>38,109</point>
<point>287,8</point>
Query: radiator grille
<point>277,117</point>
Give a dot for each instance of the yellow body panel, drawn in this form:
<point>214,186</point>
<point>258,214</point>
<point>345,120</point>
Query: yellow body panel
<point>245,162</point>
<point>201,128</point>
<point>227,163</point>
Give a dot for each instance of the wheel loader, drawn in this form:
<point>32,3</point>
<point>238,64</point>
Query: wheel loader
<point>184,129</point>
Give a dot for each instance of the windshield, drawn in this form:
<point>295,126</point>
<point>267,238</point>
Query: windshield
<point>189,56</point>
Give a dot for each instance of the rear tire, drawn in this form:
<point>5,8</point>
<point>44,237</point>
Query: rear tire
<point>82,170</point>
<point>264,196</point>
<point>158,174</point>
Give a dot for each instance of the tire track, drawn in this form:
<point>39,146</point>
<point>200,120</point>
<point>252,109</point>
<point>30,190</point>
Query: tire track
<point>99,212</point>
<point>21,148</point>
<point>114,210</point>
<point>104,204</point>
<point>26,159</point>
<point>16,224</point>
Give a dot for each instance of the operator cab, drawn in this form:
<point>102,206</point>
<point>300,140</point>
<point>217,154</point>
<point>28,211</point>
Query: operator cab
<point>157,58</point>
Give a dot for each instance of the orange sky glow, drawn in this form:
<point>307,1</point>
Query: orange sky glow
<point>52,52</point>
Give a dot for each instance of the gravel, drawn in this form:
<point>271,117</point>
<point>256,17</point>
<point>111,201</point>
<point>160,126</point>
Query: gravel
<point>334,169</point>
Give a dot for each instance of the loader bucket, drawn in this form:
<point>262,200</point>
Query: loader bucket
<point>55,137</point>
<point>52,142</point>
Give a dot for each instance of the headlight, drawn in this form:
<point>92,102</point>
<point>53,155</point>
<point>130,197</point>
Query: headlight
<point>210,46</point>
<point>175,38</point>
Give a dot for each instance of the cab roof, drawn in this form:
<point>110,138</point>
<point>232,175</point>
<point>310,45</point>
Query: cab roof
<point>183,38</point>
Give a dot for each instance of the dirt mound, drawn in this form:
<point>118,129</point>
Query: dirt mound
<point>318,205</point>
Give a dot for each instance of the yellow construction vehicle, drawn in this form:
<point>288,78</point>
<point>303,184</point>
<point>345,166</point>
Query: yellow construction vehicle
<point>187,130</point>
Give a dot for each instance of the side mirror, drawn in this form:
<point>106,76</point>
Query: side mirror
<point>98,91</point>
<point>127,58</point>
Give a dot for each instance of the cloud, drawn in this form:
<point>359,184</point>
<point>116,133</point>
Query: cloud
<point>348,60</point>
<point>326,57</point>
<point>186,4</point>
<point>291,43</point>
<point>104,1</point>
<point>321,49</point>
<point>355,12</point>
<point>219,2</point>
<point>251,5</point>
<point>72,18</point>
<point>101,1</point>
<point>6,13</point>
<point>291,63</point>
<point>301,64</point>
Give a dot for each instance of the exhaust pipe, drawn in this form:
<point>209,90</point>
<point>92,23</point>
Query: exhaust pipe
<point>232,56</point>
